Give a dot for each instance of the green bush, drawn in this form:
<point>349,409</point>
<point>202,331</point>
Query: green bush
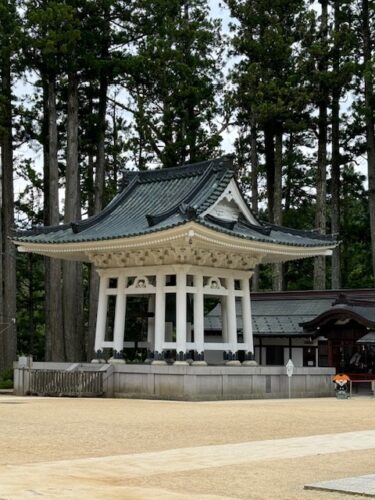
<point>6,379</point>
<point>7,374</point>
<point>6,384</point>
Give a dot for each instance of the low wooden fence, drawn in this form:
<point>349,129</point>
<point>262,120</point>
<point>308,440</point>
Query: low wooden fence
<point>63,383</point>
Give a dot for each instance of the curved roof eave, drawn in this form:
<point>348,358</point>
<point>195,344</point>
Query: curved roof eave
<point>161,236</point>
<point>336,313</point>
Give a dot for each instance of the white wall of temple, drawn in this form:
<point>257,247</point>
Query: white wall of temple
<point>282,353</point>
<point>297,355</point>
<point>186,283</point>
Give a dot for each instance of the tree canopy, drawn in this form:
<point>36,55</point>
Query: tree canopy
<point>90,88</point>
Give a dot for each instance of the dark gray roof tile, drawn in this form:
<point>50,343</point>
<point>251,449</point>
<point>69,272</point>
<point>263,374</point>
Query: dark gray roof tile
<point>151,201</point>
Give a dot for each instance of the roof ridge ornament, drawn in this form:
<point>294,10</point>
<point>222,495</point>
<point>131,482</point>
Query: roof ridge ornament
<point>154,219</point>
<point>345,300</point>
<point>189,211</point>
<point>227,224</point>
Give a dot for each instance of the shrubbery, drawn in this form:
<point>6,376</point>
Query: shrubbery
<point>6,379</point>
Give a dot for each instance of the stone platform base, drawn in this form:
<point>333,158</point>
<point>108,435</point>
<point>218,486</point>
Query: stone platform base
<point>197,383</point>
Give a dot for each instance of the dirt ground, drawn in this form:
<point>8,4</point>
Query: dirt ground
<point>42,430</point>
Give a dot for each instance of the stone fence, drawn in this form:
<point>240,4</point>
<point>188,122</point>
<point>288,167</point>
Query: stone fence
<point>193,382</point>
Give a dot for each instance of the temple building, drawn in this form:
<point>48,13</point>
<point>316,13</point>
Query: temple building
<point>313,328</point>
<point>176,243</point>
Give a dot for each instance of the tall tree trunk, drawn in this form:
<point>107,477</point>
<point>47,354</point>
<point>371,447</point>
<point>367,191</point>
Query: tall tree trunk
<point>370,120</point>
<point>46,150</point>
<point>99,192</point>
<point>277,275</point>
<point>46,203</point>
<point>254,188</point>
<point>254,167</point>
<point>30,302</point>
<point>72,271</point>
<point>2,319</point>
<point>100,161</point>
<point>288,193</point>
<point>269,145</point>
<point>335,173</point>
<point>289,172</point>
<point>90,168</point>
<point>321,177</point>
<point>54,317</point>
<point>9,333</point>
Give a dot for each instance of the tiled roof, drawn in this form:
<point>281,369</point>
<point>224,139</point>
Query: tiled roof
<point>279,325</point>
<point>285,313</point>
<point>156,200</point>
<point>362,311</point>
<point>290,307</point>
<point>274,317</point>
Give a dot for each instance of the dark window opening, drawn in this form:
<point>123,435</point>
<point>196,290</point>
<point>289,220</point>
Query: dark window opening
<point>170,280</point>
<point>112,283</point>
<point>275,355</point>
<point>323,353</point>
<point>309,356</point>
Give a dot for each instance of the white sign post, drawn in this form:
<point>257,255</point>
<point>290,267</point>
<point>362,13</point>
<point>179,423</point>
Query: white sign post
<point>289,371</point>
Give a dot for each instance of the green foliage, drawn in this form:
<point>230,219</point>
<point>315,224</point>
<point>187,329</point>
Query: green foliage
<point>160,66</point>
<point>30,305</point>
<point>6,379</point>
<point>355,247</point>
<point>175,83</point>
<point>268,82</point>
<point>52,31</point>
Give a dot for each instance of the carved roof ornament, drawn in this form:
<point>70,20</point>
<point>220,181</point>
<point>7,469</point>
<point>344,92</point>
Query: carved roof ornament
<point>214,284</point>
<point>141,282</point>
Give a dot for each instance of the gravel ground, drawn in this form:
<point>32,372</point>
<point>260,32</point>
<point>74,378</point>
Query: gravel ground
<point>46,429</point>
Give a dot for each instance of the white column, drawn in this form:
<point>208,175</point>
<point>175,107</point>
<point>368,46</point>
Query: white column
<point>151,322</point>
<point>232,319</point>
<point>246,317</point>
<point>224,318</point>
<point>199,314</point>
<point>180,311</point>
<point>120,311</point>
<point>101,317</point>
<point>159,313</point>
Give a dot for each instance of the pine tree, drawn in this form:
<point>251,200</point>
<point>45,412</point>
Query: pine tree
<point>342,68</point>
<point>175,83</point>
<point>319,51</point>
<point>368,40</point>
<point>8,47</point>
<point>269,93</point>
<point>53,35</point>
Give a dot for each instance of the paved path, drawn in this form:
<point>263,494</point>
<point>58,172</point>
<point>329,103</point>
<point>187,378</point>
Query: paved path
<point>92,477</point>
<point>358,485</point>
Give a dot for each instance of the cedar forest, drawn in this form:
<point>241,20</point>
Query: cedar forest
<point>139,84</point>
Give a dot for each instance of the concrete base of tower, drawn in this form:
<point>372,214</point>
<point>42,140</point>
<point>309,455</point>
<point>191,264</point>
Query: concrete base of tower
<point>182,382</point>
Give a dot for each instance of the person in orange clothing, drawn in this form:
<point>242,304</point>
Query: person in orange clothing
<point>341,377</point>
<point>341,381</point>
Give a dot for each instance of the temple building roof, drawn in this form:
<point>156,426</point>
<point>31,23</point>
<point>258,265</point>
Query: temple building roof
<point>203,195</point>
<point>302,313</point>
<point>343,309</point>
